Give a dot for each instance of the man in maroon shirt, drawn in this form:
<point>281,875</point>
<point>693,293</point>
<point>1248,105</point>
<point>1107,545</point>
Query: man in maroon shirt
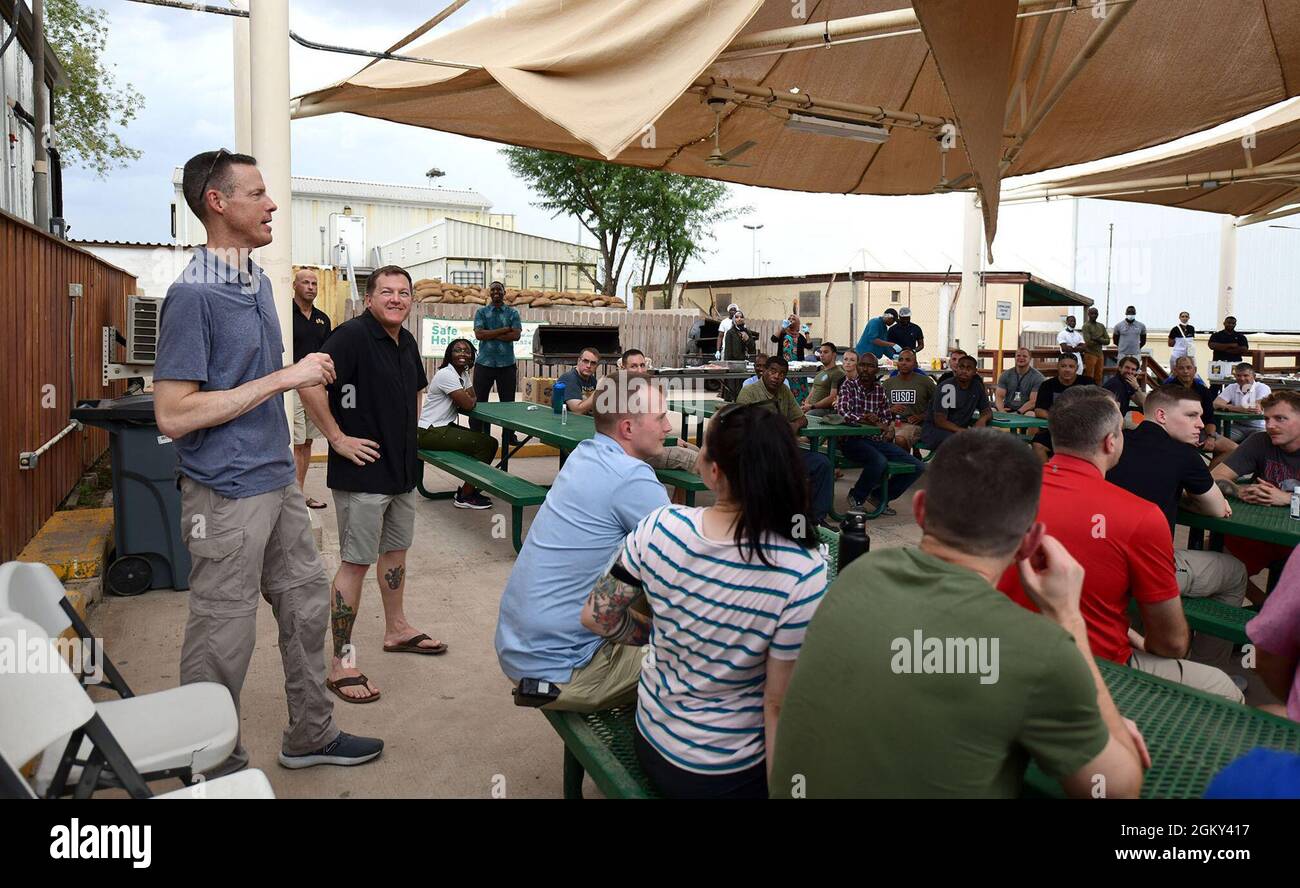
<point>1123,543</point>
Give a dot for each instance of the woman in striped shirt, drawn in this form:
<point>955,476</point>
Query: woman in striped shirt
<point>732,588</point>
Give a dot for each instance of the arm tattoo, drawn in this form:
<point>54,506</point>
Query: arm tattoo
<point>341,619</point>
<point>610,599</point>
<point>395,576</point>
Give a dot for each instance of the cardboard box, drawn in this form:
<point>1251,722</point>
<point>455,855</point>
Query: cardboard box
<point>537,390</point>
<point>545,388</point>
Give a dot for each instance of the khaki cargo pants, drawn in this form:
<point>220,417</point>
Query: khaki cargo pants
<point>609,679</point>
<point>242,548</point>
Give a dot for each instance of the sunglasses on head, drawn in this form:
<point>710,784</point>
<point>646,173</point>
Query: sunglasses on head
<point>212,168</point>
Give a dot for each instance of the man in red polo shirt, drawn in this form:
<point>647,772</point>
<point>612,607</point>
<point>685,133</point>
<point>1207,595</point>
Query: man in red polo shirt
<point>1123,543</point>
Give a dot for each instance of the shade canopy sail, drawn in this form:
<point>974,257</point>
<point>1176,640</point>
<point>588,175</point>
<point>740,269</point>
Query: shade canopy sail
<point>963,93</point>
<point>1250,170</point>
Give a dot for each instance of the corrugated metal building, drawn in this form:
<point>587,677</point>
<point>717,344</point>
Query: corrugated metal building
<point>465,252</point>
<point>838,310</point>
<point>17,134</point>
<point>325,209</point>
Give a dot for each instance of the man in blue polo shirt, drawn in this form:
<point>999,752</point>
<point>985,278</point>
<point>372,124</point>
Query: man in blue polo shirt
<point>497,328</point>
<point>875,337</point>
<point>602,493</point>
<point>219,385</point>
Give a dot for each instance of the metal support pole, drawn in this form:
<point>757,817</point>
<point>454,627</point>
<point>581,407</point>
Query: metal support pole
<point>41,166</point>
<point>242,67</point>
<point>268,33</point>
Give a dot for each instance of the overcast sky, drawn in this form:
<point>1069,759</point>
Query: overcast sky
<point>182,62</point>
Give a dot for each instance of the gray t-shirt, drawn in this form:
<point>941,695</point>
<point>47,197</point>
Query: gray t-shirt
<point>962,406</point>
<point>1130,337</point>
<point>219,329</point>
<point>1019,388</point>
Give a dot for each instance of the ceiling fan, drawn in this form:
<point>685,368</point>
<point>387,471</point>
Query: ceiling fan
<point>716,157</point>
<point>946,185</point>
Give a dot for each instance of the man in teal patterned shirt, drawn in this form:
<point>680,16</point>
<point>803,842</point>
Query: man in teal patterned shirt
<point>497,328</point>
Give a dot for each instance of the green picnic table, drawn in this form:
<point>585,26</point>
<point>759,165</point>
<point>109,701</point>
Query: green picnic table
<point>701,410</point>
<point>1192,735</point>
<point>1225,419</point>
<point>1017,422</point>
<point>536,421</point>
<point>1269,524</point>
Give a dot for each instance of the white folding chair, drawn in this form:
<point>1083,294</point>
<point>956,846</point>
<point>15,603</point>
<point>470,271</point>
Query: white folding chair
<point>33,590</point>
<point>46,710</point>
<point>172,733</point>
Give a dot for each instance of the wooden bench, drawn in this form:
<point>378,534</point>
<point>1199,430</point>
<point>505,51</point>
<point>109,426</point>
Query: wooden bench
<point>511,488</point>
<point>892,468</point>
<point>683,480</point>
<point>601,743</point>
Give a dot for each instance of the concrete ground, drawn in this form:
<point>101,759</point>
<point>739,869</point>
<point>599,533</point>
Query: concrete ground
<point>449,724</point>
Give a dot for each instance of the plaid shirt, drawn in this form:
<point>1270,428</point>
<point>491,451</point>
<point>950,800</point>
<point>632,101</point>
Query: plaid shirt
<point>856,400</point>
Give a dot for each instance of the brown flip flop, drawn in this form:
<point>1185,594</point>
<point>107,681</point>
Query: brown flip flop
<point>352,681</point>
<point>315,504</point>
<point>412,646</point>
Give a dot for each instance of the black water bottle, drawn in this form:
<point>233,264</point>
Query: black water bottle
<point>853,538</point>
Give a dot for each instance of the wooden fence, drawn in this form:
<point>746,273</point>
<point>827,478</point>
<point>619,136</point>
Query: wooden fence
<point>661,334</point>
<point>42,382</point>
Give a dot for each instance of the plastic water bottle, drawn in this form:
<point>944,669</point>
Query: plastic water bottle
<point>564,414</point>
<point>1295,503</point>
<point>557,397</point>
<point>853,538</point>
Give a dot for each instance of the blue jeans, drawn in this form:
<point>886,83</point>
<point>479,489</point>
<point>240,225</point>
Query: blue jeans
<point>874,455</point>
<point>821,483</point>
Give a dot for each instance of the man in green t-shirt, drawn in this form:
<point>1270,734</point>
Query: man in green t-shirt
<point>821,396</point>
<point>908,395</point>
<point>771,392</point>
<point>919,679</point>
<point>1095,338</point>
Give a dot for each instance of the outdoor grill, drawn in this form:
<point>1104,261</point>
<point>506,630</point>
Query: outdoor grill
<point>559,344</point>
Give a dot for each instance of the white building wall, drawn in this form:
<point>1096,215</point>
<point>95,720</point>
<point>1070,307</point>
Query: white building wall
<point>1164,260</point>
<point>1268,277</point>
<point>154,267</point>
<point>16,195</point>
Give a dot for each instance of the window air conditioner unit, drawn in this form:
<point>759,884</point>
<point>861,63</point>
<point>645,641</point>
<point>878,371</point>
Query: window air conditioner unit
<point>142,329</point>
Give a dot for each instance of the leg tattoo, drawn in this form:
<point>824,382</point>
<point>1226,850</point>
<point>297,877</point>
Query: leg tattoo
<point>395,577</point>
<point>341,619</point>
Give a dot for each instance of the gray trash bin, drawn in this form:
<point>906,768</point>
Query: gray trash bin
<point>150,553</point>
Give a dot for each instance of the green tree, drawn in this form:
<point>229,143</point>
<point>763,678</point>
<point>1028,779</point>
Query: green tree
<point>606,198</point>
<point>93,104</point>
<point>677,223</point>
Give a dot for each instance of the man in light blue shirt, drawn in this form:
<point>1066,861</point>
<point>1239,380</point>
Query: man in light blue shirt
<point>875,338</point>
<point>605,488</point>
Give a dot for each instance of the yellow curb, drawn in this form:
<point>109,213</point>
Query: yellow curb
<point>73,543</point>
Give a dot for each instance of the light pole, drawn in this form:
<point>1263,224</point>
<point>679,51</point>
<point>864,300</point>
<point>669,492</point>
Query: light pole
<point>753,249</point>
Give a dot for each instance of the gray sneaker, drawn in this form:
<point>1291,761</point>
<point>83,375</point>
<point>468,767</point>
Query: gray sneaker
<point>345,749</point>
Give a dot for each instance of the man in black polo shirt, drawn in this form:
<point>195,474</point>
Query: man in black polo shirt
<point>1227,344</point>
<point>1124,385</point>
<point>1160,463</point>
<point>1067,377</point>
<point>370,421</point>
<point>311,327</point>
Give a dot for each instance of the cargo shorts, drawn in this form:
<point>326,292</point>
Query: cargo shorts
<point>371,524</point>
